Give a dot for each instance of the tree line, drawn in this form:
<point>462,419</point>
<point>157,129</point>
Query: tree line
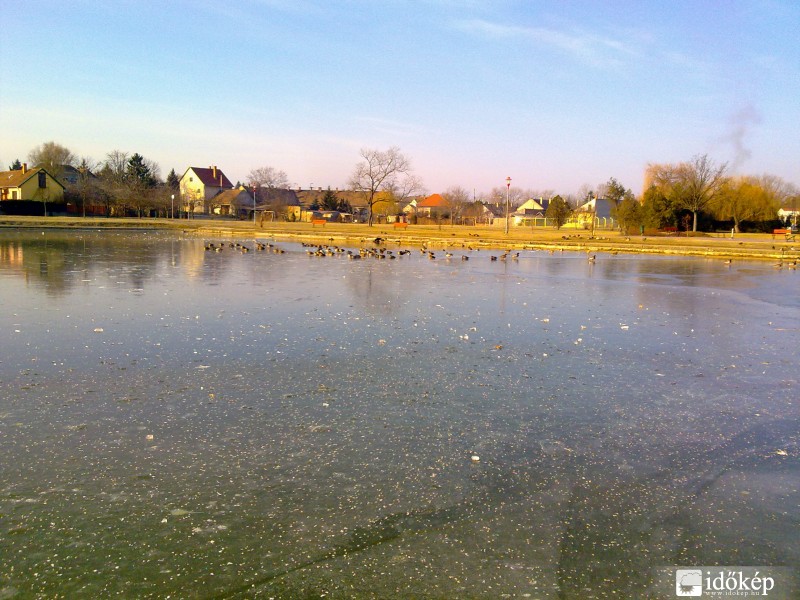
<point>699,194</point>
<point>121,184</point>
<point>691,195</point>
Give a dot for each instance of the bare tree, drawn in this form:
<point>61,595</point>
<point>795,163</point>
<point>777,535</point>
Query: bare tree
<point>191,201</point>
<point>776,188</point>
<point>701,180</point>
<point>268,177</point>
<point>113,175</point>
<point>115,168</point>
<point>155,169</point>
<point>538,194</point>
<point>379,171</point>
<point>457,199</point>
<point>52,157</point>
<point>404,188</point>
<point>515,196</point>
<point>86,181</point>
<point>508,199</point>
<point>585,194</point>
<point>269,187</point>
<point>475,211</point>
<point>689,185</point>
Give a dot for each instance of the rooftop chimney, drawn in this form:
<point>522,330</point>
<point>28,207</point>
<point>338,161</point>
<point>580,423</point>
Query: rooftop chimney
<point>215,171</point>
<point>24,168</point>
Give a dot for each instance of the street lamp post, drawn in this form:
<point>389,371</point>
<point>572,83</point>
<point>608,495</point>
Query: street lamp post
<point>508,192</point>
<point>172,207</point>
<point>254,206</point>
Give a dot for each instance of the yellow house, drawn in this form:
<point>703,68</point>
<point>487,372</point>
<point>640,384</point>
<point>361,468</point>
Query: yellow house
<point>30,184</point>
<point>199,185</point>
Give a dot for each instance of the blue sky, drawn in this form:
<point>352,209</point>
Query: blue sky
<point>552,94</point>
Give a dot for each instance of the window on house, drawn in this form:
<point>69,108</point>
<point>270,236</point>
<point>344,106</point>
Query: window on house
<point>42,179</point>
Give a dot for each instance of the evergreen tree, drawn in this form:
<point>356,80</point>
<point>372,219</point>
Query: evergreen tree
<point>15,166</point>
<point>140,172</point>
<point>558,210</point>
<point>616,192</point>
<point>330,201</point>
<point>658,209</point>
<point>173,183</point>
<point>629,213</point>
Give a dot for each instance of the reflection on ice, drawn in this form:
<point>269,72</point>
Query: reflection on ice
<point>187,422</point>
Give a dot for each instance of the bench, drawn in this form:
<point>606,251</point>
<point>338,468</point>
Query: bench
<point>787,233</point>
<point>401,225</point>
<point>670,229</point>
<point>315,222</point>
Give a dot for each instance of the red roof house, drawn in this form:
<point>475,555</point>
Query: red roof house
<point>433,204</point>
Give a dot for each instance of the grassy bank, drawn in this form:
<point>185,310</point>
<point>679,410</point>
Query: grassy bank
<point>742,246</point>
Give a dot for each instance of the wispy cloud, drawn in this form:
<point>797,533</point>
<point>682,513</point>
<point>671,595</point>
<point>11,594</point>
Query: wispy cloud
<point>587,47</point>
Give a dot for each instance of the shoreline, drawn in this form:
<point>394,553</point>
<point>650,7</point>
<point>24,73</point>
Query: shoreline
<point>748,246</point>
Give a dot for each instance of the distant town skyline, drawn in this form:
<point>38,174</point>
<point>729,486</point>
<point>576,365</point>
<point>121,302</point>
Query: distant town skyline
<point>554,95</point>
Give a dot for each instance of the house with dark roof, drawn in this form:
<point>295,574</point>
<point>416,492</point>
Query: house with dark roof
<point>69,175</point>
<point>532,208</point>
<point>199,185</point>
<point>237,202</point>
<point>597,211</point>
<point>531,212</point>
<point>30,184</point>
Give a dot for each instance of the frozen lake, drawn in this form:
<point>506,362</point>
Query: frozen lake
<point>180,422</point>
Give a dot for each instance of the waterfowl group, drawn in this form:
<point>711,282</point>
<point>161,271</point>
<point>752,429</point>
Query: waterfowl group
<point>375,248</point>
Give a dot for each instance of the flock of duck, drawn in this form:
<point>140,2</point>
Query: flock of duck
<point>379,251</point>
<point>259,247</point>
